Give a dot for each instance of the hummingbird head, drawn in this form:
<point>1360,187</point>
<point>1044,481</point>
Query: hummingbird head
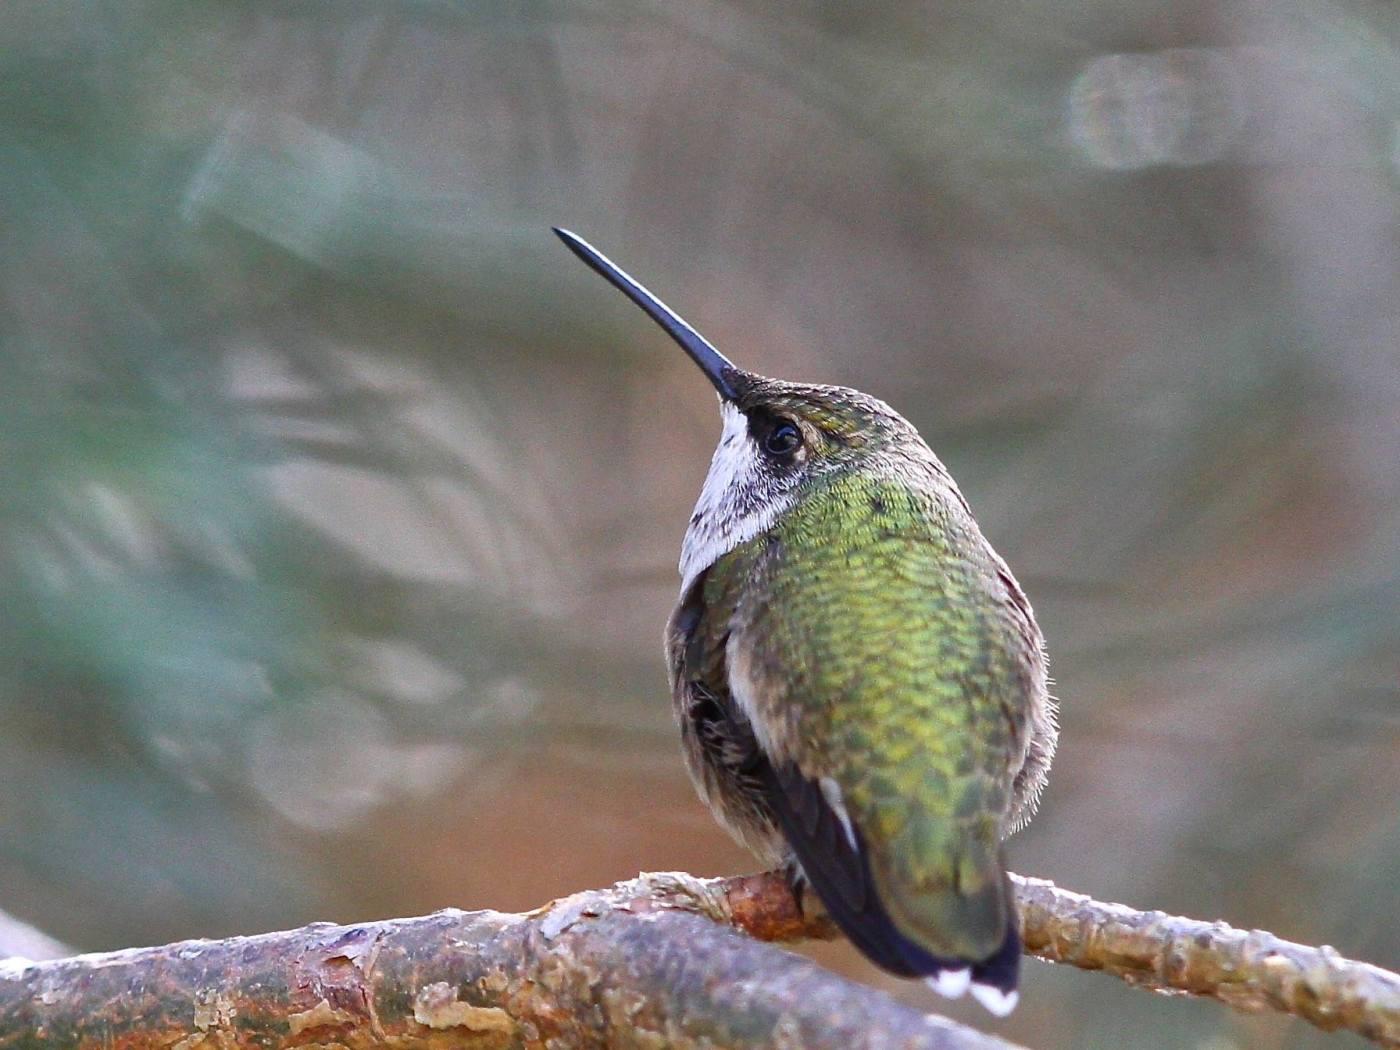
<point>780,441</point>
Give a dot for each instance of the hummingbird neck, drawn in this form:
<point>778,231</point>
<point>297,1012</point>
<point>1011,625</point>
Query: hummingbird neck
<point>746,493</point>
<point>740,499</point>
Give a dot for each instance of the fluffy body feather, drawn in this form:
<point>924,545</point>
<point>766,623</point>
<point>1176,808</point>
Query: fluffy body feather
<point>860,682</point>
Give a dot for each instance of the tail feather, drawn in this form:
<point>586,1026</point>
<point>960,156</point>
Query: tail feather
<point>995,1000</point>
<point>836,863</point>
<point>992,981</point>
<point>1001,970</point>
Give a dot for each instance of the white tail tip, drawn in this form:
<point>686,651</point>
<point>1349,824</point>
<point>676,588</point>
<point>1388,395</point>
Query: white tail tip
<point>995,1000</point>
<point>951,984</point>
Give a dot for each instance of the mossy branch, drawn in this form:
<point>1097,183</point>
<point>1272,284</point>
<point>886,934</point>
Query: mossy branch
<point>634,965</point>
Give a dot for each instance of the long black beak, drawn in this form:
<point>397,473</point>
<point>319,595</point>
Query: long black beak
<point>717,368</point>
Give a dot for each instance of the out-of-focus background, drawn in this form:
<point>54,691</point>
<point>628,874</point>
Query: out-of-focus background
<point>341,505</point>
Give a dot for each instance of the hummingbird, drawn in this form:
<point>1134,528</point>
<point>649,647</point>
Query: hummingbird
<point>859,680</point>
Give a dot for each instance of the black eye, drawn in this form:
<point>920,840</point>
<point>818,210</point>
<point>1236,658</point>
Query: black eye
<point>783,439</point>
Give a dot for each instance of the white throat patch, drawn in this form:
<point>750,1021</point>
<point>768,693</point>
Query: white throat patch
<point>739,500</point>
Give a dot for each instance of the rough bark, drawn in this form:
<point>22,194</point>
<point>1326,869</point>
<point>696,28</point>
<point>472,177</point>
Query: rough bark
<point>636,965</point>
<point>1249,969</point>
<point>633,966</point>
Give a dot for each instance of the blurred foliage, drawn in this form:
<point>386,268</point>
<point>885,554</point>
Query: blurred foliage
<point>341,505</point>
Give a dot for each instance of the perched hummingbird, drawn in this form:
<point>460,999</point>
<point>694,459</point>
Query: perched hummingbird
<point>859,680</point>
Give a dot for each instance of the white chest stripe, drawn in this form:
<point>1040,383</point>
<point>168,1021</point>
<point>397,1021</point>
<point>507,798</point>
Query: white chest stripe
<point>736,503</point>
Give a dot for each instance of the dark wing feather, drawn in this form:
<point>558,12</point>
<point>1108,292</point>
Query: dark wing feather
<point>758,798</point>
<point>818,838</point>
<point>720,750</point>
<point>841,875</point>
<point>1003,968</point>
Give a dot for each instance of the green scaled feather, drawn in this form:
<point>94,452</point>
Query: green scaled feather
<point>882,654</point>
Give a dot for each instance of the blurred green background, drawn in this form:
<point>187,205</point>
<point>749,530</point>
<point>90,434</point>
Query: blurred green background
<point>341,505</point>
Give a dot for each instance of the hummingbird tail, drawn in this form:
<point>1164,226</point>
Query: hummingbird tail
<point>833,860</point>
<point>994,979</point>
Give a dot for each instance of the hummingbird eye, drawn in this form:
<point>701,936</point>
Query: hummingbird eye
<point>783,439</point>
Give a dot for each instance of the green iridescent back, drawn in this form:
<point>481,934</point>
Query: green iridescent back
<point>887,654</point>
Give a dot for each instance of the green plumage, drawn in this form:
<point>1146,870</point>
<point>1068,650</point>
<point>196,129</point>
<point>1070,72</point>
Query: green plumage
<point>881,656</point>
<point>858,679</point>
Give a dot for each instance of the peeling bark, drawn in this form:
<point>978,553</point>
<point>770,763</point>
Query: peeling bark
<point>647,963</point>
<point>633,966</point>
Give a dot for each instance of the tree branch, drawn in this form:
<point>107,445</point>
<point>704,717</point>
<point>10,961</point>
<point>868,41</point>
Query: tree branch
<point>629,965</point>
<point>1250,970</point>
<point>632,966</point>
